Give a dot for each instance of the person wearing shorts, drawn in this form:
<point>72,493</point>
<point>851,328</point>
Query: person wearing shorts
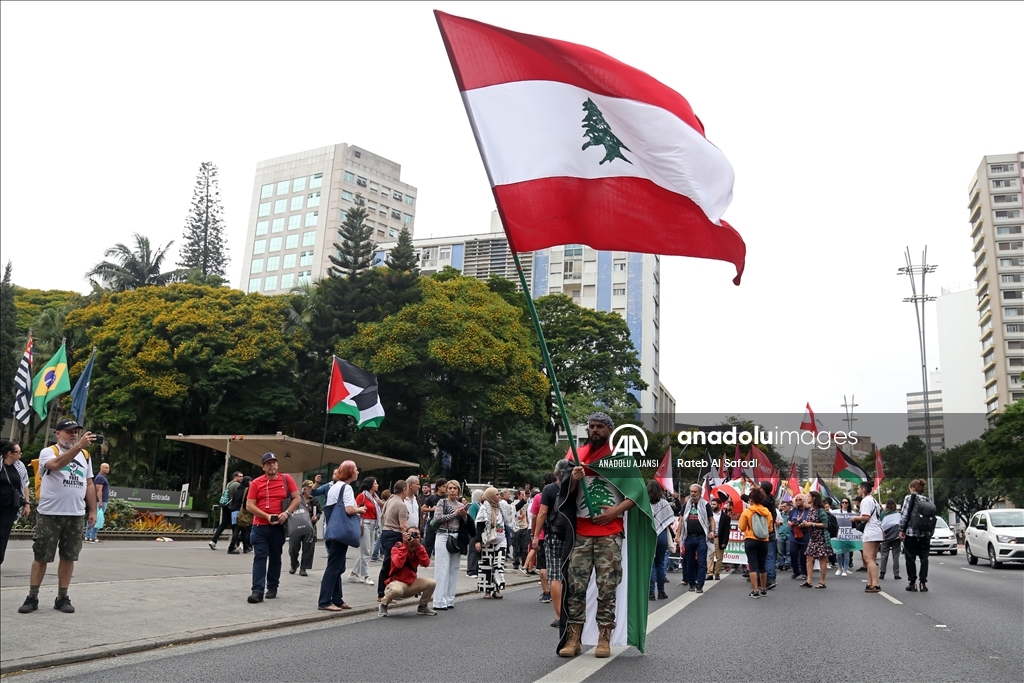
<point>66,492</point>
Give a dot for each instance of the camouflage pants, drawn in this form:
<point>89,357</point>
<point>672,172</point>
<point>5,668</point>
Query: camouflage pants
<point>602,554</point>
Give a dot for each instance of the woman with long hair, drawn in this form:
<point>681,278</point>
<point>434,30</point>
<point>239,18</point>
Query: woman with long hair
<point>871,515</point>
<point>661,512</point>
<point>368,529</point>
<point>491,544</point>
<point>341,494</point>
<point>449,514</point>
<point>755,546</point>
<point>818,543</point>
<point>13,494</point>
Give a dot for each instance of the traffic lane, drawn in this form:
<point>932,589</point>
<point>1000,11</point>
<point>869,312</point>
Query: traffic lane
<point>493,640</point>
<point>799,633</point>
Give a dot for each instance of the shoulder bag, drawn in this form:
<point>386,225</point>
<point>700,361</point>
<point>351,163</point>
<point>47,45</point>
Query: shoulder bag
<point>342,527</point>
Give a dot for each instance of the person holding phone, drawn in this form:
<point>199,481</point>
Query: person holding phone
<point>271,498</point>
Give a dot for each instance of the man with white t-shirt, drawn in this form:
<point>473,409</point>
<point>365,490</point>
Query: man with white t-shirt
<point>66,493</point>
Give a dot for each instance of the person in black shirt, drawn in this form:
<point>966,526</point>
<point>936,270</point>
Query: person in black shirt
<point>773,539</point>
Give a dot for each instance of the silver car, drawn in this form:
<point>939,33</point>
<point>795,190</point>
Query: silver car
<point>943,538</point>
<point>997,534</point>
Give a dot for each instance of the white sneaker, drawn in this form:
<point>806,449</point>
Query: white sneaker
<point>382,610</point>
<point>354,579</point>
<point>839,572</point>
<point>213,545</point>
<point>368,581</point>
<point>846,574</point>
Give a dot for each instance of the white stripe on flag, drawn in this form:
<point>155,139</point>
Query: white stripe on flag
<point>534,129</point>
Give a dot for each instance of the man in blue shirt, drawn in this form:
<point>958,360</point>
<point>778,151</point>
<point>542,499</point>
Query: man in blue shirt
<point>102,496</point>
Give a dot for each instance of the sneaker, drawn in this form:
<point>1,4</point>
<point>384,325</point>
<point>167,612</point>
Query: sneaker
<point>254,598</point>
<point>213,545</point>
<point>881,577</point>
<point>693,588</point>
<point>302,572</point>
<point>764,594</point>
<point>64,605</point>
<point>545,597</point>
<point>233,552</point>
<point>354,579</point>
<point>862,569</point>
<point>293,570</point>
<point>924,587</point>
<point>425,611</point>
<point>663,595</point>
<point>912,587</point>
<point>368,581</point>
<point>650,596</point>
<point>839,572</point>
<point>700,589</point>
<point>31,604</point>
<point>554,623</point>
<point>754,594</point>
<point>271,593</point>
<point>771,585</point>
<point>382,610</point>
<point>247,551</point>
<point>717,577</point>
<point>846,573</point>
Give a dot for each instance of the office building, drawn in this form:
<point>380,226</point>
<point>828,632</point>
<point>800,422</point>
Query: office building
<point>963,397</point>
<point>300,200</point>
<point>916,417</point>
<point>994,205</point>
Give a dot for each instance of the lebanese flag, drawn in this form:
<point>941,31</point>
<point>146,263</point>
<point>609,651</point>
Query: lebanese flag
<point>879,473</point>
<point>664,473</point>
<point>578,146</point>
<point>809,424</point>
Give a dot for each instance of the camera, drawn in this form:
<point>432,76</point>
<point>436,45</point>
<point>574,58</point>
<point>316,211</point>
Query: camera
<point>98,440</point>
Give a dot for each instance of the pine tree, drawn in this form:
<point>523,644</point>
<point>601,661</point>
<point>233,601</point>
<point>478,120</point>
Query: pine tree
<point>9,343</point>
<point>599,133</point>
<point>355,252</point>
<point>204,249</point>
<point>403,256</point>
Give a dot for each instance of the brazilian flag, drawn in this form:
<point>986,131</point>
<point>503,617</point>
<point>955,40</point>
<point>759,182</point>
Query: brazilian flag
<point>51,382</point>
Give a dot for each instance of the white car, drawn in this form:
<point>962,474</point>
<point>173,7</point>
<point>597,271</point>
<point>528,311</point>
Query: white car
<point>943,538</point>
<point>996,534</point>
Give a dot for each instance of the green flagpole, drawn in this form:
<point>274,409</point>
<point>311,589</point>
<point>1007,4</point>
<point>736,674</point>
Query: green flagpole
<point>550,367</point>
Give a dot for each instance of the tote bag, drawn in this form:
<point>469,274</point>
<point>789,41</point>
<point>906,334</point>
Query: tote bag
<point>298,523</point>
<point>343,527</point>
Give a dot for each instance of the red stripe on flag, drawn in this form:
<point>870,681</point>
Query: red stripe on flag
<point>483,55</point>
<point>597,212</point>
<point>336,392</point>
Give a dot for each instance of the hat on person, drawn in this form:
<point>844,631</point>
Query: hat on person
<point>308,484</point>
<point>67,423</point>
<point>601,417</point>
<point>267,457</point>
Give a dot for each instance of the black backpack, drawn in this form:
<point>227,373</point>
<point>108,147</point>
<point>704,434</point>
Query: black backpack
<point>556,523</point>
<point>922,516</point>
<point>833,525</point>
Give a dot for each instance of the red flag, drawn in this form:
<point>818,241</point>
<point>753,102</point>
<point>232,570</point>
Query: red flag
<point>794,480</point>
<point>664,473</point>
<point>764,470</point>
<point>575,141</point>
<point>809,424</point>
<point>879,473</point>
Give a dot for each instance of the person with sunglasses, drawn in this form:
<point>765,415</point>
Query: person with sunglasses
<point>406,557</point>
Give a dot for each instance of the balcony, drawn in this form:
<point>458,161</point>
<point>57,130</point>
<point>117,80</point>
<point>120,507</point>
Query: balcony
<point>572,276</point>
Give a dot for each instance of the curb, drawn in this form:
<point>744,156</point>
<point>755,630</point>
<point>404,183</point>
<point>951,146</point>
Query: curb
<point>104,652</point>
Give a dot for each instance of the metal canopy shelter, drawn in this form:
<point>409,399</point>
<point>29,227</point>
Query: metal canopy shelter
<point>294,455</point>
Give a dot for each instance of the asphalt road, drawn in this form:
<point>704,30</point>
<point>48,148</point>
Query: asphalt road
<point>969,627</point>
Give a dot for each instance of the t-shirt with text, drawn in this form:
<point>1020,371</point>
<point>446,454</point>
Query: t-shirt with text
<point>62,492</point>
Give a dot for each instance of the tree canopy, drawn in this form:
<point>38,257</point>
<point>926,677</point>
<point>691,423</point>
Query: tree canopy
<point>132,269</point>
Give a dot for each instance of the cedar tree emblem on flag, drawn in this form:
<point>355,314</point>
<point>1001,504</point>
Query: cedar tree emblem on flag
<point>353,391</point>
<point>600,133</point>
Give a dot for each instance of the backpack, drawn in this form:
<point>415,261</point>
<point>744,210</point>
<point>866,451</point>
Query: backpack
<point>556,524</point>
<point>922,516</point>
<point>759,525</point>
<point>833,525</point>
<point>225,497</point>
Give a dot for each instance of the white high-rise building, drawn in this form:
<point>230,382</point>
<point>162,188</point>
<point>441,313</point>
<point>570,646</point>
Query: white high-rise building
<point>298,202</point>
<point>963,398</point>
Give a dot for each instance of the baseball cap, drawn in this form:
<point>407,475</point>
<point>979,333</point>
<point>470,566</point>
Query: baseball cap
<point>267,457</point>
<point>66,423</point>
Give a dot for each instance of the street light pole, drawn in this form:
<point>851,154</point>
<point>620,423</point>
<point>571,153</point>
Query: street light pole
<point>919,301</point>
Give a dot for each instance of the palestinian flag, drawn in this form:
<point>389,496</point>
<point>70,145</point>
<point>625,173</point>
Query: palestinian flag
<point>845,468</point>
<point>611,478</point>
<point>819,486</point>
<point>577,144</point>
<point>353,391</point>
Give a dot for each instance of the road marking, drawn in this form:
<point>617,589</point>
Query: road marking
<point>890,598</point>
<point>583,666</point>
<point>976,571</point>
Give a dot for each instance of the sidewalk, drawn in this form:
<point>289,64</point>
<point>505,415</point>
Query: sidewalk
<point>138,595</point>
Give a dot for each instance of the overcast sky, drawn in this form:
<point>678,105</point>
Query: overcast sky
<point>853,129</point>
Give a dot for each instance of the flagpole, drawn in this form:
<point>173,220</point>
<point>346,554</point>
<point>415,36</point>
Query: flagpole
<point>327,413</point>
<point>547,359</point>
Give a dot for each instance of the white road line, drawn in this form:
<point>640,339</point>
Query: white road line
<point>890,598</point>
<point>976,571</point>
<point>586,665</point>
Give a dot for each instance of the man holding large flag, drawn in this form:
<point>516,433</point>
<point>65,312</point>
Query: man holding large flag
<point>598,544</point>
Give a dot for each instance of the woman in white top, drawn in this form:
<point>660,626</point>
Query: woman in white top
<point>872,537</point>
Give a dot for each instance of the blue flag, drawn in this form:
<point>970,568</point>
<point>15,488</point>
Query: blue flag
<point>80,394</point>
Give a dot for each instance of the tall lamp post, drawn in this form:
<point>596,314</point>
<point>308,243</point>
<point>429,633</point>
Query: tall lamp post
<point>919,301</point>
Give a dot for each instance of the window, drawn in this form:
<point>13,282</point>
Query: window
<point>573,250</point>
<point>397,195</point>
<point>1005,182</point>
<point>372,205</point>
<point>410,200</point>
<point>261,228</point>
<point>618,266</point>
<point>406,218</point>
<point>342,215</point>
<point>1015,213</point>
<point>1009,278</point>
<point>257,266</point>
<point>275,244</point>
<point>393,232</point>
<point>992,405</point>
<point>380,233</point>
<point>1016,362</point>
<point>990,373</point>
<point>357,154</point>
<point>264,210</point>
<point>272,263</point>
<point>445,255</point>
<point>1013,294</point>
<point>1015,344</point>
<point>280,206</point>
<point>395,213</point>
<point>375,188</point>
<point>383,190</point>
<point>316,181</point>
<point>299,184</point>
<point>989,390</point>
<point>349,177</point>
<point>259,246</point>
<point>1008,230</point>
<point>267,191</point>
<point>294,222</point>
<point>311,219</point>
<point>306,258</point>
<point>346,195</point>
<point>1016,397</point>
<point>309,238</point>
<point>287,280</point>
<point>360,181</point>
<point>1010,246</point>
<point>1000,168</point>
<point>1011,262</point>
<point>270,284</point>
<point>1012,312</point>
<point>1003,198</point>
<point>289,260</point>
<point>254,284</point>
<point>987,358</point>
<point>619,291</point>
<point>296,204</point>
<point>312,200</point>
<point>1016,328</point>
<point>292,241</point>
<point>277,225</point>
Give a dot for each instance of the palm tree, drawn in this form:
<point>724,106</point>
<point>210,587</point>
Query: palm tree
<point>139,268</point>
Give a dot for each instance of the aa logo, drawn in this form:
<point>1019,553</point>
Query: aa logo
<point>629,440</point>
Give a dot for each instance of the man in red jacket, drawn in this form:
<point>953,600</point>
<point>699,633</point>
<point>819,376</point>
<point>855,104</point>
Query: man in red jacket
<point>406,556</point>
